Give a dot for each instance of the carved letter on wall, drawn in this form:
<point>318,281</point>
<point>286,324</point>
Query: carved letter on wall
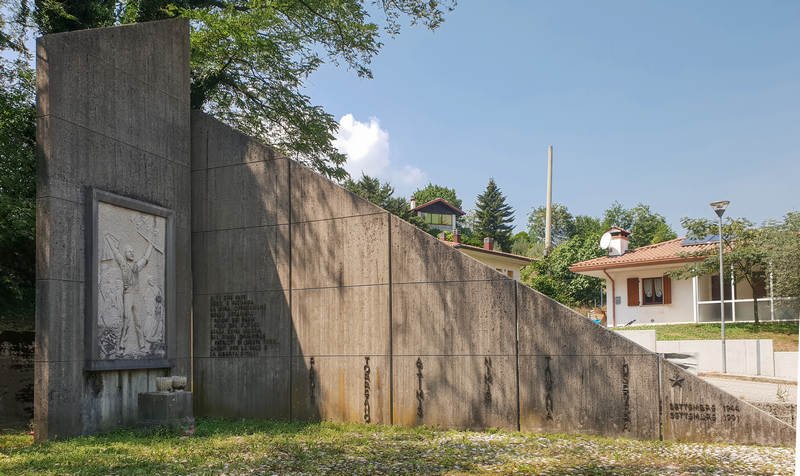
<point>488,380</point>
<point>367,415</point>
<point>312,385</point>
<point>420,393</point>
<point>548,387</point>
<point>626,394</point>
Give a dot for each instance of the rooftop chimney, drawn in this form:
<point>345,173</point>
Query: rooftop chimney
<point>488,243</point>
<point>619,241</point>
<point>412,203</point>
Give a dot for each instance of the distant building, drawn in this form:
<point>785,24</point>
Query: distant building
<point>506,263</point>
<point>640,291</point>
<point>438,213</point>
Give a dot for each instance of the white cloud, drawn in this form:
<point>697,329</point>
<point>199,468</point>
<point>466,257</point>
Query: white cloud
<point>366,146</point>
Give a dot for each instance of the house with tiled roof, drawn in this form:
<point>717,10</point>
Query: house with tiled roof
<point>639,289</point>
<point>438,213</point>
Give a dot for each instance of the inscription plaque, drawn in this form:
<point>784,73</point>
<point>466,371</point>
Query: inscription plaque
<point>235,328</point>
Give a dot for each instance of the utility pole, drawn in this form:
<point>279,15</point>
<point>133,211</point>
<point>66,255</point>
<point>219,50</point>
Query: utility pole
<point>548,243</point>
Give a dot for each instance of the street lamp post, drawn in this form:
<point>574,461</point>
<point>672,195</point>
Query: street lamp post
<point>719,209</point>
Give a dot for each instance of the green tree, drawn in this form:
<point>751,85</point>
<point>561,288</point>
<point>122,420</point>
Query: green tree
<point>250,58</point>
<point>550,274</point>
<point>17,188</point>
<point>646,226</point>
<point>466,226</point>
<point>493,216</point>
<point>782,244</point>
<point>585,225</point>
<point>744,247</point>
<point>562,225</point>
<point>521,243</point>
<point>432,192</point>
<point>382,194</point>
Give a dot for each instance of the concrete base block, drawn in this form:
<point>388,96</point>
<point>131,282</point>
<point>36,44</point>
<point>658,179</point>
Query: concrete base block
<point>173,409</point>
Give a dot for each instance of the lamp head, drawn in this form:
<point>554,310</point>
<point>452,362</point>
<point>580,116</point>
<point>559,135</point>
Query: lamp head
<point>719,207</point>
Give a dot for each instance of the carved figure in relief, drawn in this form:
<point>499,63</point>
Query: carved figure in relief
<point>154,311</point>
<point>131,338</point>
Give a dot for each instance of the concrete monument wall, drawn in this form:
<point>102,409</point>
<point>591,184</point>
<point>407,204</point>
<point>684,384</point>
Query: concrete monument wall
<point>311,303</point>
<point>114,281</point>
<point>304,301</point>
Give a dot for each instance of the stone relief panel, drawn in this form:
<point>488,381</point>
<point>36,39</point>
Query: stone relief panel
<point>131,277</point>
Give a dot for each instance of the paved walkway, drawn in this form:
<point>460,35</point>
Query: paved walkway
<point>756,391</point>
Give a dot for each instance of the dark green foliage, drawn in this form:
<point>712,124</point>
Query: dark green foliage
<point>55,16</point>
<point>382,194</point>
<point>17,190</point>
<point>250,59</point>
<point>646,226</point>
<point>493,216</point>
<point>550,275</point>
<point>432,192</point>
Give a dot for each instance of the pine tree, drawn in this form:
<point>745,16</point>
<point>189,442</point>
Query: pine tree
<point>493,216</point>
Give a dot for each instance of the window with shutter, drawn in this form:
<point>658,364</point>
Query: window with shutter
<point>633,291</point>
<point>667,290</point>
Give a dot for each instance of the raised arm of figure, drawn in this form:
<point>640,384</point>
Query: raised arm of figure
<point>143,262</point>
<point>111,244</point>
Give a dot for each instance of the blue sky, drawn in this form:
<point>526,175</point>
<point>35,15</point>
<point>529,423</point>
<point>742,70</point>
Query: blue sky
<point>673,104</point>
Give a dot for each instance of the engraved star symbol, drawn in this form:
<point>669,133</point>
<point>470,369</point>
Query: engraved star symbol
<point>677,381</point>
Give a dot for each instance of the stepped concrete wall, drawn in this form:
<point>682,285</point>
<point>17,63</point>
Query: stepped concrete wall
<point>306,301</point>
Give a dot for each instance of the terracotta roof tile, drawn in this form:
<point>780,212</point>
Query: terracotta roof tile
<point>671,251</point>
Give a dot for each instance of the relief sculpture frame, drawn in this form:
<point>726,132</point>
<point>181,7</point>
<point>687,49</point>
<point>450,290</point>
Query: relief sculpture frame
<point>130,293</point>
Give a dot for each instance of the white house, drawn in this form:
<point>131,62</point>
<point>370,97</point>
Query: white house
<point>639,291</point>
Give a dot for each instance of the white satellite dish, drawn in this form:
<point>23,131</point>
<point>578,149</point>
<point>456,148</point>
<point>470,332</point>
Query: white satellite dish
<point>605,240</point>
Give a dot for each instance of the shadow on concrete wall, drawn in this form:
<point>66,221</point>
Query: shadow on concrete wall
<point>375,321</point>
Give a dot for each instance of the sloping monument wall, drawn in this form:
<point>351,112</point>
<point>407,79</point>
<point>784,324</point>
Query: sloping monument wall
<point>311,303</point>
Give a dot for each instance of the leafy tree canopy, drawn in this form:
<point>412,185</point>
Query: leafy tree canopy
<point>646,226</point>
<point>550,275</point>
<point>562,224</point>
<point>432,192</point>
<point>522,245</point>
<point>493,216</point>
<point>745,253</point>
<point>250,58</point>
<point>782,244</point>
<point>17,188</point>
<point>382,194</point>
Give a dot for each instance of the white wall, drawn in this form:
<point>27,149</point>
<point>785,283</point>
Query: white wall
<point>786,365</point>
<point>495,262</point>
<point>645,338</point>
<point>741,354</point>
<point>680,310</point>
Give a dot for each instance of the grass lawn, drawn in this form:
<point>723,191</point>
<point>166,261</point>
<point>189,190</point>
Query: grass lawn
<point>783,334</point>
<point>263,447</point>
